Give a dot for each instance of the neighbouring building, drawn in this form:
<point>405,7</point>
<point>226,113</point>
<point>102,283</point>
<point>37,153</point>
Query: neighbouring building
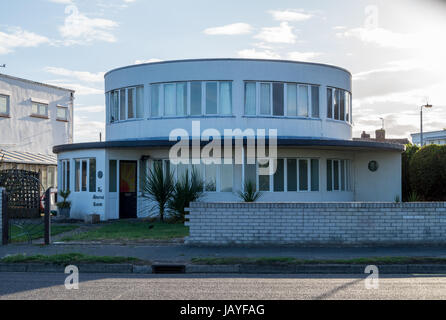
<point>34,117</point>
<point>380,136</point>
<point>432,137</point>
<point>309,105</point>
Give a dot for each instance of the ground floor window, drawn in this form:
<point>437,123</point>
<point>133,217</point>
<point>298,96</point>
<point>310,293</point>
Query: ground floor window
<point>291,174</point>
<point>113,175</point>
<point>84,168</point>
<point>65,175</point>
<point>339,175</point>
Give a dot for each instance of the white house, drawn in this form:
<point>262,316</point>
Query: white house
<point>432,137</point>
<point>307,105</point>
<point>34,117</point>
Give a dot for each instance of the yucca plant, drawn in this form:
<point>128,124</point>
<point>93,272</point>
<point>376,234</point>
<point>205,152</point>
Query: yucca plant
<point>159,187</point>
<point>413,197</point>
<point>187,189</point>
<point>249,194</point>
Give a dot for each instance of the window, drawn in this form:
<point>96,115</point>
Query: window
<point>250,98</point>
<point>85,175</point>
<point>265,98</point>
<point>302,104</point>
<point>282,99</point>
<point>225,100</point>
<point>210,177</point>
<point>329,103</point>
<point>65,181</point>
<point>195,98</point>
<point>215,96</point>
<point>51,177</point>
<point>155,100</point>
<point>211,97</point>
<point>4,105</point>
<point>278,99</point>
<point>315,101</point>
<point>62,113</point>
<point>291,99</point>
<point>339,106</point>
<point>113,176</point>
<point>126,103</point>
<point>338,175</point>
<point>92,175</point>
<point>226,176</point>
<point>39,109</point>
<point>301,175</point>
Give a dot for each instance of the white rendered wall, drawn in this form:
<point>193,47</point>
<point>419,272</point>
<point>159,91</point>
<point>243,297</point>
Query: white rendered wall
<point>83,202</point>
<point>21,132</point>
<point>237,71</point>
<point>381,185</point>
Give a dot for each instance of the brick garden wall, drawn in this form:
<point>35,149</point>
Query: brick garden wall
<point>316,223</point>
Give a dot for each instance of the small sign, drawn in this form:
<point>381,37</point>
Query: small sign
<point>100,174</point>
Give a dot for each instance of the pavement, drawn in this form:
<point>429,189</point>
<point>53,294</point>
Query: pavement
<point>37,286</point>
<point>178,253</point>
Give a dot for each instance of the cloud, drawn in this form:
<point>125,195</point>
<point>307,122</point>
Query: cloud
<point>80,29</point>
<point>86,129</point>
<point>81,90</point>
<point>94,109</point>
<point>79,75</point>
<point>303,56</point>
<point>254,54</point>
<point>147,61</point>
<point>16,38</point>
<point>282,34</point>
<point>382,37</point>
<point>290,15</point>
<point>62,1</point>
<point>230,29</point>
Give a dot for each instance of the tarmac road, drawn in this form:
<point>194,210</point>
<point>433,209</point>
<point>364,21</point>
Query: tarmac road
<point>232,287</point>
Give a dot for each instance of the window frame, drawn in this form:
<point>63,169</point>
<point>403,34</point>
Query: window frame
<point>109,98</point>
<point>78,180</point>
<point>347,104</point>
<point>58,107</point>
<point>38,114</point>
<point>347,176</point>
<point>8,105</point>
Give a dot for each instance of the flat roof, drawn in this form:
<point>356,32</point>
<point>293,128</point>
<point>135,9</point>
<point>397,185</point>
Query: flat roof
<point>281,141</point>
<point>35,82</point>
<point>227,59</point>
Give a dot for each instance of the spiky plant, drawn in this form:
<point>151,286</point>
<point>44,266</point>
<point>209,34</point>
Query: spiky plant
<point>188,188</point>
<point>249,194</point>
<point>158,187</point>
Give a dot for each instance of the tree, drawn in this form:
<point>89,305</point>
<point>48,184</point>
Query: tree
<point>428,173</point>
<point>407,155</point>
<point>158,187</point>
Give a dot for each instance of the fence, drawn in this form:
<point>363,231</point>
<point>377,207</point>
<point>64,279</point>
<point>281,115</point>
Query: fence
<point>316,223</point>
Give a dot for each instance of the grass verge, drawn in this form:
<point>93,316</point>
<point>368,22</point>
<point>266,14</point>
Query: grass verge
<point>36,232</point>
<point>66,258</point>
<point>287,260</point>
<point>132,230</point>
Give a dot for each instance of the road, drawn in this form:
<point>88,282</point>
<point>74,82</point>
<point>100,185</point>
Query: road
<point>232,287</point>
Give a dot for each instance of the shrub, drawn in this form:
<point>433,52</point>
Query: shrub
<point>428,173</point>
<point>64,204</point>
<point>249,194</point>
<point>158,187</point>
<point>407,155</point>
<point>187,189</point>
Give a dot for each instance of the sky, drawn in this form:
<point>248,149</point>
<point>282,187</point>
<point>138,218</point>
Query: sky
<point>395,49</point>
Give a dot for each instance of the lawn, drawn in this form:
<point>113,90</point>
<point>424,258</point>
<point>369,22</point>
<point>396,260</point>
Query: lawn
<point>288,260</point>
<point>133,230</point>
<point>66,258</point>
<point>37,231</point>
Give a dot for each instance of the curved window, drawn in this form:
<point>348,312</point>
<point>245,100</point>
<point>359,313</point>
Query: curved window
<point>193,98</point>
<point>339,105</point>
<point>126,103</point>
<point>339,175</point>
<point>281,99</point>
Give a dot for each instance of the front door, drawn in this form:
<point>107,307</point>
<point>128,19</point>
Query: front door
<point>127,189</point>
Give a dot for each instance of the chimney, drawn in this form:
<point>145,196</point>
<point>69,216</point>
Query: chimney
<point>380,134</point>
<point>365,135</point>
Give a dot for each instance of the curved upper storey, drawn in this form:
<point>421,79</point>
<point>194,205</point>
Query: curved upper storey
<point>296,98</point>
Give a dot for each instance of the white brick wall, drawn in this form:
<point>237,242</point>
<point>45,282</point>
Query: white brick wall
<point>352,223</point>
